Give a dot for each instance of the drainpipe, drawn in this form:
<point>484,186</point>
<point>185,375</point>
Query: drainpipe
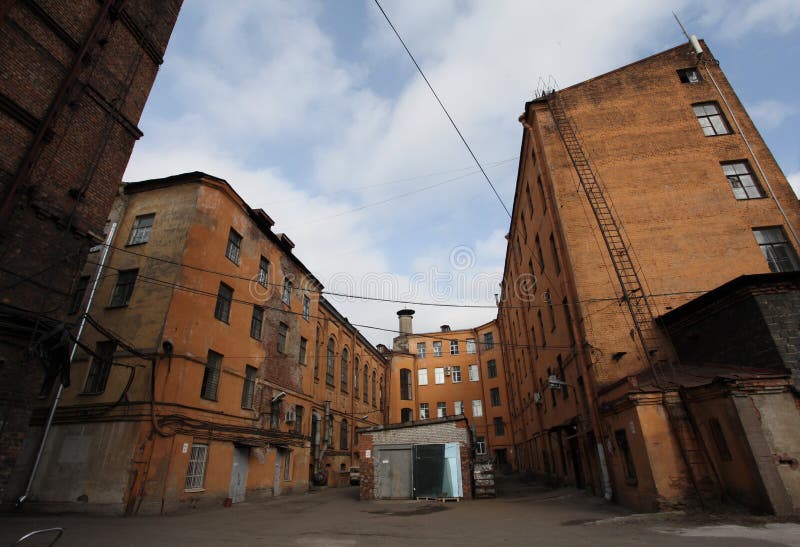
<point>51,415</point>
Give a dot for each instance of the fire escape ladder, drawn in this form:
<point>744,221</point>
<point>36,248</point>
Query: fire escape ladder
<point>632,290</point>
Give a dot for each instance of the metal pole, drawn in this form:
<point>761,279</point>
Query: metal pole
<point>60,391</point>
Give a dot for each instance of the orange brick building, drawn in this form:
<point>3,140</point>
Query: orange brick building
<point>212,367</point>
<point>74,79</point>
<point>637,191</point>
<point>449,373</point>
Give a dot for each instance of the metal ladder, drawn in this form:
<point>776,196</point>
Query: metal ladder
<point>632,290</point>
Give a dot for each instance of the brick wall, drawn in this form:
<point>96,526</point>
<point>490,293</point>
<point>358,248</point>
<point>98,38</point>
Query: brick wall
<point>64,186</point>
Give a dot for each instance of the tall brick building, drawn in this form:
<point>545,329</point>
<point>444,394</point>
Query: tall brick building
<point>638,191</point>
<point>74,78</point>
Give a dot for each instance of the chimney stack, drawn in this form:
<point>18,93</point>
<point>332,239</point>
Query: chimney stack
<point>405,317</point>
<point>445,328</point>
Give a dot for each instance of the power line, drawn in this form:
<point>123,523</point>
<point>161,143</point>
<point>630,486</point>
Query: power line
<point>449,117</point>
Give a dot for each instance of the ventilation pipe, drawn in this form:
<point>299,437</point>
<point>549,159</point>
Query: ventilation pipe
<point>405,317</point>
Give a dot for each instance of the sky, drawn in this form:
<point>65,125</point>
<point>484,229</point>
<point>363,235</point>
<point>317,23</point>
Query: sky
<point>312,111</point>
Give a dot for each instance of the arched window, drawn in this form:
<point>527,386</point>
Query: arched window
<point>355,379</point>
<point>366,384</point>
<point>343,435</point>
<point>380,393</point>
<point>374,390</point>
<point>329,371</point>
<point>344,371</point>
<point>405,384</point>
<point>316,356</point>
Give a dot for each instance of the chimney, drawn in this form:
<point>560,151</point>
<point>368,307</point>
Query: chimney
<point>445,328</point>
<point>405,317</point>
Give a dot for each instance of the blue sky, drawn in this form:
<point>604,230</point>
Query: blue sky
<point>312,111</point>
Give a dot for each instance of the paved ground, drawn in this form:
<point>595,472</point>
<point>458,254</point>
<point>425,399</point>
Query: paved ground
<point>522,516</point>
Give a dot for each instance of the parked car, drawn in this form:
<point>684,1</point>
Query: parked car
<point>355,475</point>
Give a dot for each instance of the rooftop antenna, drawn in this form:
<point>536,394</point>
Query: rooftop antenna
<point>692,39</point>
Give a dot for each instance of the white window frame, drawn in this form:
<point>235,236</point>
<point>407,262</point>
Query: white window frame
<point>455,374</point>
<point>458,408</point>
<point>196,471</point>
<point>437,349</point>
<point>480,446</point>
<point>140,232</point>
<point>471,345</point>
<point>438,375</point>
<point>477,408</point>
<point>424,411</point>
<point>441,409</point>
<point>453,347</point>
<point>474,374</point>
<point>422,377</point>
<point>421,350</point>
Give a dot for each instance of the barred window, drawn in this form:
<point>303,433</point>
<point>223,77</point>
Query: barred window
<point>195,474</point>
<point>211,376</point>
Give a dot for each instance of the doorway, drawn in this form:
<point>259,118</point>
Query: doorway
<point>238,486</point>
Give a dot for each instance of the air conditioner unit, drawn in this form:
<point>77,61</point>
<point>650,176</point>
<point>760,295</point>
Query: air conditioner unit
<point>537,398</point>
<point>291,416</point>
<point>447,371</point>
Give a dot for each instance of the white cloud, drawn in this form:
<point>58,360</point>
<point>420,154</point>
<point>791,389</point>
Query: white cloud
<point>735,18</point>
<point>769,114</point>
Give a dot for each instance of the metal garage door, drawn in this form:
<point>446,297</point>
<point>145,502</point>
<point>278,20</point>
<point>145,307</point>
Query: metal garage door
<point>393,472</point>
<point>429,471</point>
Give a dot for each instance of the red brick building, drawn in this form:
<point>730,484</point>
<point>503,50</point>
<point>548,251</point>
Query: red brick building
<point>637,191</point>
<point>74,78</point>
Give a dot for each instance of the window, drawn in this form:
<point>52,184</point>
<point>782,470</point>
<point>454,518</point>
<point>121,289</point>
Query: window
<point>380,394</point>
<point>470,345</point>
<point>303,349</point>
<point>477,408</point>
<point>564,388</point>
<point>541,193</point>
<point>124,288</point>
<point>437,349</point>
<point>499,427</point>
<point>405,384</point>
<point>711,119</point>
<point>780,255</point>
<point>196,472</point>
<point>473,373</point>
<point>406,415</point>
<point>355,378</point>
<point>101,366</point>
<point>689,76</point>
<point>458,408</point>
<point>438,375</point>
<point>453,347</point>
<point>283,330</point>
<point>552,389</point>
<point>233,250</point>
<point>554,250</point>
<point>541,327</point>
<point>298,419</point>
<point>140,233</point>
<point>422,377</point>
<point>551,314</point>
<point>480,446</point>
<point>491,368</point>
<point>743,183</point>
<point>77,296</point>
<point>530,200</point>
<point>627,456</point>
<point>249,386</point>
<point>568,320</point>
<point>330,363</point>
<point>494,395</point>
<point>539,255</point>
<point>374,390</point>
<point>263,272</point>
<point>366,383</point>
<point>211,376</point>
<point>719,440</point>
<point>423,411</point>
<point>256,322</point>
<point>421,350</point>
<point>316,354</point>
<point>287,291</point>
<point>488,340</point>
<point>306,307</point>
<point>455,374</point>
<point>344,372</point>
<point>343,435</point>
<point>287,465</point>
<point>441,409</point>
<point>222,311</point>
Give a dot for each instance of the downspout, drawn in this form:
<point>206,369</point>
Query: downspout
<point>52,413</point>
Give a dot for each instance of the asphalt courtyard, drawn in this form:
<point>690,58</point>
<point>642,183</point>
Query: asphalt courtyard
<point>522,515</point>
